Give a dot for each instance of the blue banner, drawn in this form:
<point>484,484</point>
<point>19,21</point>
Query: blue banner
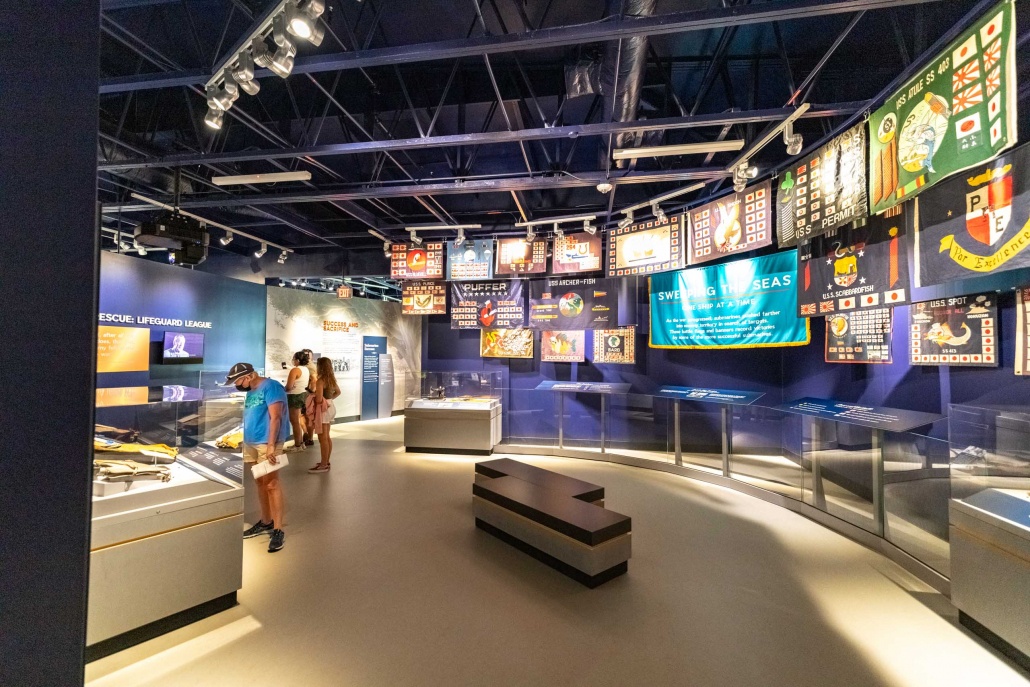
<point>742,304</point>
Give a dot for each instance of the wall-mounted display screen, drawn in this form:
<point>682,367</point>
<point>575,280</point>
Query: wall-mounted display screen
<point>182,348</point>
<point>647,247</point>
<point>123,349</point>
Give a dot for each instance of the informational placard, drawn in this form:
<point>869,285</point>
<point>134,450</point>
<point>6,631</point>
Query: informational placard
<point>487,304</point>
<point>470,260</point>
<point>958,331</point>
<point>976,224</point>
<point>579,252</point>
<point>1023,331</point>
<point>647,247</point>
<point>228,465</point>
<point>386,385</point>
<point>584,387</point>
<point>563,347</point>
<point>573,304</point>
<point>506,343</point>
<point>959,112</point>
<point>724,396</point>
<point>854,268</point>
<point>408,261</point>
<point>876,417</point>
<point>860,336</point>
<point>519,256</point>
<point>615,346</point>
<point>123,349</point>
<point>372,347</point>
<point>824,191</point>
<point>424,298</point>
<point>739,222</point>
<point>742,304</point>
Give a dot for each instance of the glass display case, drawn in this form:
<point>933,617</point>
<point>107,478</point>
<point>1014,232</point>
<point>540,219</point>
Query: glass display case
<point>456,412</point>
<point>464,385</point>
<point>167,508</point>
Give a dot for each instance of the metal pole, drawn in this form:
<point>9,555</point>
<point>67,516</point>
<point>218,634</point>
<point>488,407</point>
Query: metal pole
<point>818,495</point>
<point>676,431</point>
<point>561,419</point>
<point>879,514</point>
<point>724,412</point>
<point>604,414</point>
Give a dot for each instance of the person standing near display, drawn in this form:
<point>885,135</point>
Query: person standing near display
<point>264,432</point>
<point>296,395</point>
<point>309,430</point>
<point>322,410</point>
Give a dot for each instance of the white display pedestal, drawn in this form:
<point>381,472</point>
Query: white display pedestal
<point>470,426</point>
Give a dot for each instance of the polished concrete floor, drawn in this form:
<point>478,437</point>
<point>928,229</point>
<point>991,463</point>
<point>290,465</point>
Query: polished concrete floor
<point>384,580</point>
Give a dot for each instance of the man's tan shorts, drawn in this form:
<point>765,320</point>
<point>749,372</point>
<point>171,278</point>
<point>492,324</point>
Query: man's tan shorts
<point>255,453</point>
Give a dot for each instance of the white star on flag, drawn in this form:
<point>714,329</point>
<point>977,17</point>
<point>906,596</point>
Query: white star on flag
<point>862,280</point>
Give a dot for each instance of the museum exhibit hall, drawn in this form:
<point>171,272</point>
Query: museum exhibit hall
<point>515,342</point>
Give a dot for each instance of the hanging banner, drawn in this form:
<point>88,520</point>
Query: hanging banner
<point>579,252</point>
<point>862,336</point>
<point>853,268</point>
<point>615,346</point>
<point>573,304</point>
<point>955,331</point>
<point>742,304</point>
<point>471,260</point>
<point>1023,331</point>
<point>824,191</point>
<point>563,347</point>
<point>956,114</point>
<point>519,256</point>
<point>424,298</point>
<point>738,222</point>
<point>486,304</point>
<point>408,261</point>
<point>506,343</point>
<point>976,224</point>
<point>647,247</point>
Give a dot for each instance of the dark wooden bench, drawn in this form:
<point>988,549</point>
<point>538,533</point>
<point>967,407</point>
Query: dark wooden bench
<point>553,518</point>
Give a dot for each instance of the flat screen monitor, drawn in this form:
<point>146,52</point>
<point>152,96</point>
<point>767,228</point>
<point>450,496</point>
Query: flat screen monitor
<point>182,348</point>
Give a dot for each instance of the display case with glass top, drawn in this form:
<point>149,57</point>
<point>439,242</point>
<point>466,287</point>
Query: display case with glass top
<point>457,412</point>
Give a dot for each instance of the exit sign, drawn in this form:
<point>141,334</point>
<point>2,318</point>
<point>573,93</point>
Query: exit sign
<point>344,292</point>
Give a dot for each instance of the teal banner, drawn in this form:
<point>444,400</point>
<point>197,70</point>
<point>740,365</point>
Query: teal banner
<point>742,304</point>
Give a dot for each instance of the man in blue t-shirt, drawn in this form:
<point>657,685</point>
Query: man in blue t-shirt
<point>264,432</point>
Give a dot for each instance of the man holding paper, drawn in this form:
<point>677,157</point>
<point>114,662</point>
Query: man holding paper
<point>264,434</point>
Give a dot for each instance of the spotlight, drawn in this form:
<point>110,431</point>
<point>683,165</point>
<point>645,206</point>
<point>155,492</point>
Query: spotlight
<point>227,239</point>
<point>123,246</point>
<point>530,235</point>
<point>386,248</point>
<point>627,220</point>
<point>213,118</point>
<point>741,174</point>
<point>558,233</point>
<point>659,214</point>
<point>604,187</point>
<point>589,228</point>
<point>142,250</point>
<point>282,258</point>
<point>415,238</point>
<point>260,252</point>
<point>282,60</point>
<point>793,141</point>
<point>243,73</point>
<point>303,22</point>
<point>229,93</point>
<point>260,52</point>
<point>460,240</point>
<point>171,257</point>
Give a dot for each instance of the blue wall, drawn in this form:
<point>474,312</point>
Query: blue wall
<point>235,308</point>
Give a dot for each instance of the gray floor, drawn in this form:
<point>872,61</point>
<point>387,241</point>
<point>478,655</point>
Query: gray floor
<point>385,581</point>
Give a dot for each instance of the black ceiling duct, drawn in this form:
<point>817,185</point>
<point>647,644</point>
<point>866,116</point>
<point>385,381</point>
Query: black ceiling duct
<point>622,72</point>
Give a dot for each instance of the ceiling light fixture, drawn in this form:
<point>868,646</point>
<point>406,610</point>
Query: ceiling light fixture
<point>415,238</point>
<point>558,233</point>
<point>589,228</point>
<point>386,248</point>
<point>460,240</point>
<point>626,220</point>
<point>213,119</point>
<point>740,168</point>
<point>142,250</point>
<point>604,187</point>
<point>628,211</point>
<point>742,174</point>
<point>302,20</point>
<point>273,178</point>
<point>684,149</point>
<point>260,252</point>
<point>793,141</point>
<point>530,235</point>
<point>659,214</point>
<point>227,239</point>
<point>282,258</point>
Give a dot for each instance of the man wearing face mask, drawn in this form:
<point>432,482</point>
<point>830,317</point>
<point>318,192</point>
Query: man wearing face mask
<point>264,434</point>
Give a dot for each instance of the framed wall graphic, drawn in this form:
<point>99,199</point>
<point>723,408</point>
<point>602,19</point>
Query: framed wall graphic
<point>860,336</point>
<point>408,261</point>
<point>486,304</point>
<point>573,304</point>
<point>1023,331</point>
<point>563,346</point>
<point>472,260</point>
<point>519,256</point>
<point>738,222</point>
<point>579,252</point>
<point>424,298</point>
<point>824,191</point>
<point>123,349</point>
<point>647,247</point>
<point>615,346</point>
<point>958,331</point>
<point>855,268</point>
<point>959,112</point>
<point>506,343</point>
<point>741,304</point>
<point>977,223</point>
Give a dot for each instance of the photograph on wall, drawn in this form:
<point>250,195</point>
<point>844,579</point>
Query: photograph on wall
<point>506,343</point>
<point>573,304</point>
<point>408,261</point>
<point>615,346</point>
<point>123,349</point>
<point>861,336</point>
<point>737,222</point>
<point>957,113</point>
<point>424,298</point>
<point>519,256</point>
<point>579,252</point>
<point>563,347</point>
<point>471,260</point>
<point>647,247</point>
<point>854,268</point>
<point>486,304</point>
<point>741,304</point>
<point>823,191</point>
<point>955,331</point>
<point>1023,331</point>
<point>977,223</point>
